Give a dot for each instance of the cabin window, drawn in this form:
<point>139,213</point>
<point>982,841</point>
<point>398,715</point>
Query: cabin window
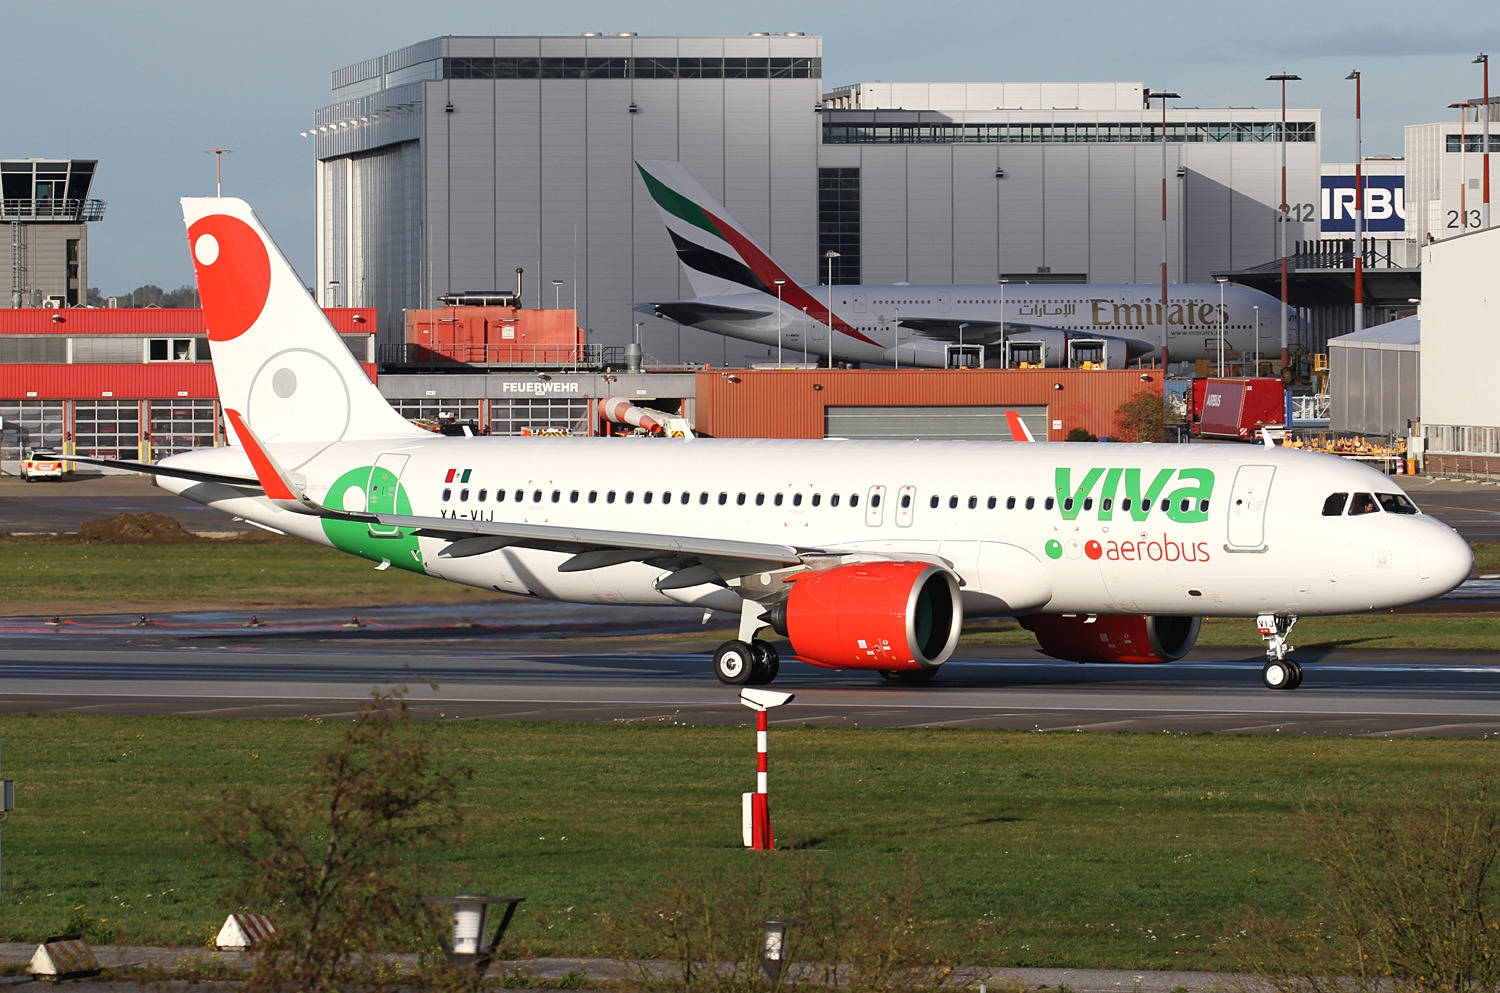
<point>1031,503</point>
<point>1125,504</point>
<point>1202,506</point>
<point>593,496</point>
<point>796,499</point>
<point>760,499</point>
<point>739,499</point>
<point>973,502</point>
<point>1396,503</point>
<point>646,497</point>
<point>687,498</point>
<point>499,496</point>
<point>556,496</point>
<point>723,498</point>
<point>463,495</point>
<point>833,501</point>
<point>1106,504</point>
<point>520,495</point>
<point>933,503</point>
<point>666,496</point>
<point>609,497</point>
<point>1362,503</point>
<point>482,495</point>
<point>447,495</point>
<point>1010,503</point>
<point>630,496</point>
<point>777,499</point>
<point>1334,505</point>
<point>854,499</point>
<point>1068,504</point>
<point>1050,503</point>
<point>990,504</point>
<point>953,503</point>
<point>1088,503</point>
<point>817,498</point>
<point>905,501</point>
<point>703,498</point>
<point>536,496</point>
<point>875,499</point>
<point>1185,505</point>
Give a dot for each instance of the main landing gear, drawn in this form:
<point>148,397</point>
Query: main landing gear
<point>739,663</point>
<point>1279,672</point>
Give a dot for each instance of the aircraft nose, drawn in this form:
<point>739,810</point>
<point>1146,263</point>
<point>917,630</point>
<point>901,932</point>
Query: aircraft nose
<point>1445,560</point>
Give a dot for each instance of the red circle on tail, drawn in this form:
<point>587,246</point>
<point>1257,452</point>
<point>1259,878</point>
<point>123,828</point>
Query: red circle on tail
<point>234,274</point>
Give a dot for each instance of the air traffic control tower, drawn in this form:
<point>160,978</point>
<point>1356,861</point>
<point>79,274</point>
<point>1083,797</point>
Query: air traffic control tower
<point>44,207</point>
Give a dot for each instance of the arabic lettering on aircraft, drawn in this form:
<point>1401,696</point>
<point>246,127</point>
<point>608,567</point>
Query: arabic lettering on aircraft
<point>1122,490</point>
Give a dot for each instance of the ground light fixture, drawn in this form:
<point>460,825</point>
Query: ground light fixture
<point>467,946</point>
<point>773,949</point>
<point>755,808</point>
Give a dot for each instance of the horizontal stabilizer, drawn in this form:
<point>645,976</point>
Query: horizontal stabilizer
<point>694,311</point>
<point>158,470</point>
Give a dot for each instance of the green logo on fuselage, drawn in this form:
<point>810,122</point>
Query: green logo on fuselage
<point>377,490</point>
<point>1131,494</point>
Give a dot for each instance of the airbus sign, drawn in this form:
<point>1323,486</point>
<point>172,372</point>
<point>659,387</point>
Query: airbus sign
<point>1385,204</point>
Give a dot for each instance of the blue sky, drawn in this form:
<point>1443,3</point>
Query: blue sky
<point>146,87</point>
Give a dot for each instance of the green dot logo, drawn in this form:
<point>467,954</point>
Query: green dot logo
<point>1054,549</point>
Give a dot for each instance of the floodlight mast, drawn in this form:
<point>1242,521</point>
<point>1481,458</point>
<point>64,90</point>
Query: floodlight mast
<point>1163,96</point>
<point>1283,78</point>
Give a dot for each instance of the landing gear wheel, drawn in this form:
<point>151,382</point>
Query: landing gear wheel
<point>767,663</point>
<point>734,663</point>
<point>911,677</point>
<point>1296,668</point>
<point>1279,675</point>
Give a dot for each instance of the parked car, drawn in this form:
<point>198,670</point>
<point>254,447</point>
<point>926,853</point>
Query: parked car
<point>40,466</point>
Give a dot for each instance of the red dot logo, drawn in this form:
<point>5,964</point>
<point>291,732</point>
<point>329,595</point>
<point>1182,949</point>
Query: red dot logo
<point>234,274</point>
<point>1093,549</point>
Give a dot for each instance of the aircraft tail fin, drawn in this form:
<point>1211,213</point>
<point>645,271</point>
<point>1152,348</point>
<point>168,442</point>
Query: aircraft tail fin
<point>716,251</point>
<point>277,359</point>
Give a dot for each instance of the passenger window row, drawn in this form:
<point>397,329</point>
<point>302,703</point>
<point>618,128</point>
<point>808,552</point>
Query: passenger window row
<point>723,498</point>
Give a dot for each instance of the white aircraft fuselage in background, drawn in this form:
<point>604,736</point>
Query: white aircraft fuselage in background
<point>741,292</point>
<point>867,555</point>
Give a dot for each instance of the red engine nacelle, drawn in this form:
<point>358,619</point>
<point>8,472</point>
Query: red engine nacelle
<point>891,616</point>
<point>1114,637</point>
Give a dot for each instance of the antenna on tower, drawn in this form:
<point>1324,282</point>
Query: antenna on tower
<point>218,154</point>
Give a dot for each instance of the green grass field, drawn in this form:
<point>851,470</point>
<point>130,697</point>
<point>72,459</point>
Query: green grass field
<point>1134,851</point>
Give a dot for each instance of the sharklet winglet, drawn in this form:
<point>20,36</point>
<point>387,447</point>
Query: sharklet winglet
<point>273,479</point>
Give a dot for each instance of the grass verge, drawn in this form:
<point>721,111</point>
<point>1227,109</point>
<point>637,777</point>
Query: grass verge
<point>1133,851</point>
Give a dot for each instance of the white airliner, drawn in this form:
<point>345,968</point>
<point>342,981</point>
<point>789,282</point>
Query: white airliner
<point>904,324</point>
<point>867,555</point>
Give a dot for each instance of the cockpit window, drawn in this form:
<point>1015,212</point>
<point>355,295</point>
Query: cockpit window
<point>1334,505</point>
<point>1363,503</point>
<point>1396,503</point>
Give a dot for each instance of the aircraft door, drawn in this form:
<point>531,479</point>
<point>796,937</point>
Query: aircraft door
<point>859,303</point>
<point>1247,508</point>
<point>875,506</point>
<point>382,489</point>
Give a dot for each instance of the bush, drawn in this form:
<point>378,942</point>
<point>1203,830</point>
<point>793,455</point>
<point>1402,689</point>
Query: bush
<point>1409,902</point>
<point>334,863</point>
<point>1142,418</point>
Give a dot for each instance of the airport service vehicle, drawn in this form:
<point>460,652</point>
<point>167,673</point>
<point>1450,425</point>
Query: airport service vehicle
<point>866,555</point>
<point>40,465</point>
<point>736,286</point>
<point>1236,409</point>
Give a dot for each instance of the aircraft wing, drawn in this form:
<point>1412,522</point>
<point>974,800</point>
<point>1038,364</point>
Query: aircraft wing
<point>692,312</point>
<point>974,332</point>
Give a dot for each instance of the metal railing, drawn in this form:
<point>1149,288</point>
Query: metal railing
<point>1312,407</point>
<point>51,209</point>
<point>501,355</point>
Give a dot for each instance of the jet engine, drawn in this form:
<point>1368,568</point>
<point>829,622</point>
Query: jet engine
<point>890,616</point>
<point>1114,637</point>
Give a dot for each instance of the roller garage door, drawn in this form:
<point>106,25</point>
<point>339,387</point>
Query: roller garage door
<point>931,423</point>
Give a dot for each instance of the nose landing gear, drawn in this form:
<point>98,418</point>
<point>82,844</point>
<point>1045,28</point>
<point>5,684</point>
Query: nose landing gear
<point>1279,672</point>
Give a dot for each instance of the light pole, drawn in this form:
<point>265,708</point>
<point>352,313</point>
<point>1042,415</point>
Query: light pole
<point>557,294</point>
<point>804,331</point>
<point>1256,308</point>
<point>1283,78</point>
<point>1221,280</point>
<point>1163,96</point>
<point>830,255</point>
<point>333,293</point>
<point>1359,214</point>
<point>218,154</point>
<point>779,284</point>
<point>1462,107</point>
<point>1004,352</point>
<point>1483,59</point>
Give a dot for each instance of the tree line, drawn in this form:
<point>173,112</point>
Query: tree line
<point>149,295</point>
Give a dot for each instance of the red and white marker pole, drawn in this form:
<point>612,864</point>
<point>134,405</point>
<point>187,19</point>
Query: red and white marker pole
<point>756,807</point>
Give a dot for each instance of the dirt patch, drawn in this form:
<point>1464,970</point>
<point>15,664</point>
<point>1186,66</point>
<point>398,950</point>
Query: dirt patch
<point>152,529</point>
